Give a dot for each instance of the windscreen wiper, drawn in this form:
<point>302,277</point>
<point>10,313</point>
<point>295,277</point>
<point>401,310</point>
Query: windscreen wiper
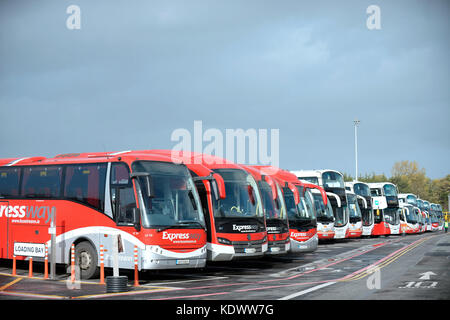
<point>166,227</point>
<point>186,223</point>
<point>182,224</point>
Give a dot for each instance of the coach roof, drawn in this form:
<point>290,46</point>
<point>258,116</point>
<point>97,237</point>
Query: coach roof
<point>91,157</point>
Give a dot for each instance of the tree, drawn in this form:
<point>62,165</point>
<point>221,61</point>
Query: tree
<point>409,178</point>
<point>373,178</point>
<point>440,189</point>
<point>347,177</point>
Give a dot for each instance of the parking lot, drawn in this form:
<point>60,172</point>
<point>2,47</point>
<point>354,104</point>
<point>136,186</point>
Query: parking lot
<point>389,268</point>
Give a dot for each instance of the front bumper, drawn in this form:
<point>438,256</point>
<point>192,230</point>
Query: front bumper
<point>157,258</point>
<point>305,246</point>
<point>238,250</point>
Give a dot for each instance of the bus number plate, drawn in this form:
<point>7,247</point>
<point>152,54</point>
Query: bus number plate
<point>249,250</point>
<point>182,261</point>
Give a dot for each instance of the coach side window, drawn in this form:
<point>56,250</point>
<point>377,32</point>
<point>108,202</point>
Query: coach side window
<point>85,183</point>
<point>41,182</point>
<point>122,194</point>
<point>9,182</point>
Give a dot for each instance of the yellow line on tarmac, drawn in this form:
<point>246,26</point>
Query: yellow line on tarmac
<point>21,276</point>
<point>125,293</point>
<point>385,263</point>
<point>31,295</point>
<point>365,272</point>
<point>10,284</point>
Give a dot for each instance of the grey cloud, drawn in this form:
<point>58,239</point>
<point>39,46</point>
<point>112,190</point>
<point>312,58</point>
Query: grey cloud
<point>137,71</point>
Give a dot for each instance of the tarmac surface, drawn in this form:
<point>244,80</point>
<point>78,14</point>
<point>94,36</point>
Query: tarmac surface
<point>411,267</point>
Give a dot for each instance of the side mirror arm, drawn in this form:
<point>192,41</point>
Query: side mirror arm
<point>148,182</point>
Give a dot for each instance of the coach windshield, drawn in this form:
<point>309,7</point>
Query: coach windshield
<point>411,200</point>
<point>411,214</point>
<point>324,212</point>
<point>243,199</point>
<point>420,204</point>
<point>273,208</point>
<point>175,201</point>
<point>354,210</point>
<point>341,216</point>
<point>332,179</point>
<point>390,190</point>
<point>306,205</point>
<point>392,215</point>
<point>362,189</point>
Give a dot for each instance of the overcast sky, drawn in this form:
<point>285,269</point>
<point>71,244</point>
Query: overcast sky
<point>137,70</point>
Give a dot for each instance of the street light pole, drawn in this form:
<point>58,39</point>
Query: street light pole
<point>356,122</point>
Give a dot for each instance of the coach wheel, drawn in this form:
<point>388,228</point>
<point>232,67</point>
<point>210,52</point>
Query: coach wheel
<point>86,259</point>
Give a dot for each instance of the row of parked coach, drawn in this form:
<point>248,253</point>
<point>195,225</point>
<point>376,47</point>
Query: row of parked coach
<point>181,209</point>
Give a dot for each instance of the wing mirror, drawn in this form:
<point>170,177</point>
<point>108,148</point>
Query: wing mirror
<point>250,194</point>
<point>146,180</point>
<point>271,183</point>
<point>137,219</point>
<point>294,190</point>
<point>217,184</point>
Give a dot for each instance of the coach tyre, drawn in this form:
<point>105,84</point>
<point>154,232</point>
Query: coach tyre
<point>86,258</point>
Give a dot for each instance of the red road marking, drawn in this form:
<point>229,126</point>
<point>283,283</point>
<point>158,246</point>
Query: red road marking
<point>270,280</point>
<point>194,296</point>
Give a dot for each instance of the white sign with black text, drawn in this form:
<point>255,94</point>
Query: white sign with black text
<point>29,249</point>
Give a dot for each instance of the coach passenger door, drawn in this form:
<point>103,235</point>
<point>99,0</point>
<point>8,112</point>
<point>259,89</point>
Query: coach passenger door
<point>120,203</point>
<point>122,195</point>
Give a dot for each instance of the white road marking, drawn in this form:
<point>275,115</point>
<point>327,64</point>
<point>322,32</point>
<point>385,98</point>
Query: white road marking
<point>426,275</point>
<point>297,294</point>
<point>413,284</point>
